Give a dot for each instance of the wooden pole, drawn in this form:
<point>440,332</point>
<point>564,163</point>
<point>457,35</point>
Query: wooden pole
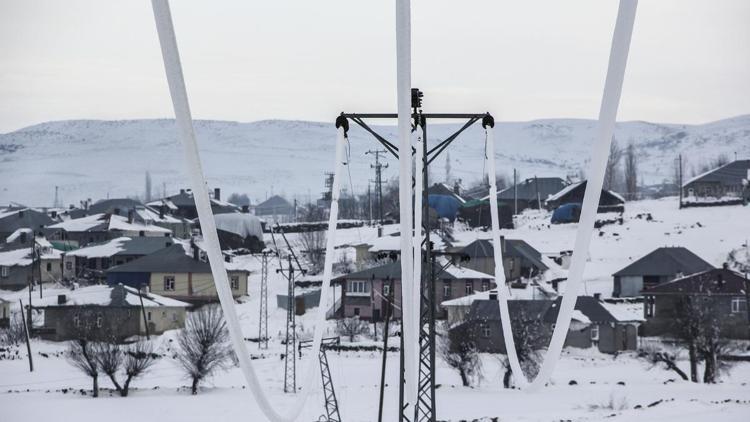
<point>26,333</point>
<point>143,311</point>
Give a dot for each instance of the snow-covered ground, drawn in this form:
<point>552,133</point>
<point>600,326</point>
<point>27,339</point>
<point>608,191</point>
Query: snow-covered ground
<point>606,387</point>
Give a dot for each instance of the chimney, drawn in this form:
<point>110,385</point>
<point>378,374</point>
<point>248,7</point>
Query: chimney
<point>246,209</point>
<point>457,188</point>
<point>117,211</point>
<point>217,194</point>
<point>130,216</point>
<point>53,214</point>
<point>380,231</point>
<point>493,295</point>
<point>555,284</point>
<point>598,296</point>
<point>502,245</point>
<point>161,211</point>
<point>61,299</point>
<point>182,191</point>
<point>23,237</point>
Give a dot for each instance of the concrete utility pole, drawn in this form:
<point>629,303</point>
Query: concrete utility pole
<point>378,179</point>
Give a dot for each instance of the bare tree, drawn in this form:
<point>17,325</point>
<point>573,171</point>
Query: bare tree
<point>631,172</point>
<point>530,336</point>
<point>613,163</point>
<point>459,351</point>
<point>313,245</point>
<point>203,345</point>
<point>81,355</point>
<point>135,360</point>
<point>351,327</point>
<point>664,356</point>
<point>14,333</point>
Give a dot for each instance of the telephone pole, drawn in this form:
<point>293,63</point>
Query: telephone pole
<point>378,166</point>
<point>290,355</point>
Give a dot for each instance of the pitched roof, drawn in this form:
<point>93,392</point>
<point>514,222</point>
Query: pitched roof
<point>275,201</point>
<point>489,309</point>
<point>582,185</point>
<point>392,271</point>
<point>443,189</point>
<point>482,248</point>
<point>728,174</point>
<point>124,246</point>
<point>170,260</point>
<point>109,206</point>
<point>529,188</point>
<point>102,295</point>
<point>666,261</point>
<point>589,306</point>
<point>718,281</point>
<point>12,220</point>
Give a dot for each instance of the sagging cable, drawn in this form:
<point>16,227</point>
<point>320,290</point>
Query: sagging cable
<point>175,79</point>
<point>607,117</point>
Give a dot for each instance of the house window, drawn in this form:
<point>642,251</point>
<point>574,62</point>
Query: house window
<point>3,271</point>
<point>358,288</point>
<point>99,321</point>
<point>68,265</point>
<point>469,288</point>
<point>485,285</point>
<point>485,328</point>
<point>594,333</point>
<point>105,263</point>
<point>386,289</point>
<point>446,290</point>
<point>141,233</point>
<point>174,316</point>
<point>76,321</point>
<point>739,304</point>
<point>168,283</point>
<point>91,264</point>
<point>356,311</point>
<point>235,282</point>
<point>649,304</point>
<point>49,267</point>
<point>148,315</point>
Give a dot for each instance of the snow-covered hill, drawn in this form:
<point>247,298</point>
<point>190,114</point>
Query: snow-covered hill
<point>93,159</point>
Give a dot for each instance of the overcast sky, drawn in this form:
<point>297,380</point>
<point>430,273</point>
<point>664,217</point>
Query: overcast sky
<point>302,59</point>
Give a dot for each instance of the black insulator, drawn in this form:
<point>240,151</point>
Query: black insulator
<point>342,121</point>
<point>488,120</point>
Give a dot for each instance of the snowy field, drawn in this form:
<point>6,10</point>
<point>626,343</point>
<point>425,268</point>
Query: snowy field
<point>586,386</point>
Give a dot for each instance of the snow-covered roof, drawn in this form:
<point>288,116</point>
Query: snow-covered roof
<point>625,312</point>
<point>563,191</point>
<point>117,222</point>
<point>17,257</point>
<point>466,300</point>
<point>580,317</point>
<point>16,234</point>
<point>81,224</point>
<point>102,249</point>
<point>243,225</point>
<point>102,295</point>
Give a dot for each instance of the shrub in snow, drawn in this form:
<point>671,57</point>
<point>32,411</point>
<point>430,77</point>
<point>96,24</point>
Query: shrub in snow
<point>351,328</point>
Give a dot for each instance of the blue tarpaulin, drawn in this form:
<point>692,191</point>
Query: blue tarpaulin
<point>445,206</point>
<point>567,213</point>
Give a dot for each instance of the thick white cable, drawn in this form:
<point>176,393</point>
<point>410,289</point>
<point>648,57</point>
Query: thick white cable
<point>618,58</point>
<point>406,212</point>
<point>177,89</point>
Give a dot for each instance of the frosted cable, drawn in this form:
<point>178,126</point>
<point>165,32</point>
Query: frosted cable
<point>409,292</point>
<point>178,92</point>
<point>618,58</point>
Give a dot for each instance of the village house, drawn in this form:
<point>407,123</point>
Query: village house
<point>277,209</point>
<point>20,267</point>
<point>520,260</point>
<point>108,313</point>
<point>657,267</point>
<point>566,203</point>
<point>721,293</point>
<point>240,230</point>
<point>171,272</point>
<point>12,219</point>
<point>183,204</point>
<point>725,184</point>
<point>99,228</point>
<point>592,325</point>
<point>92,261</point>
<point>530,193</point>
<point>365,293</point>
<point>140,213</point>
